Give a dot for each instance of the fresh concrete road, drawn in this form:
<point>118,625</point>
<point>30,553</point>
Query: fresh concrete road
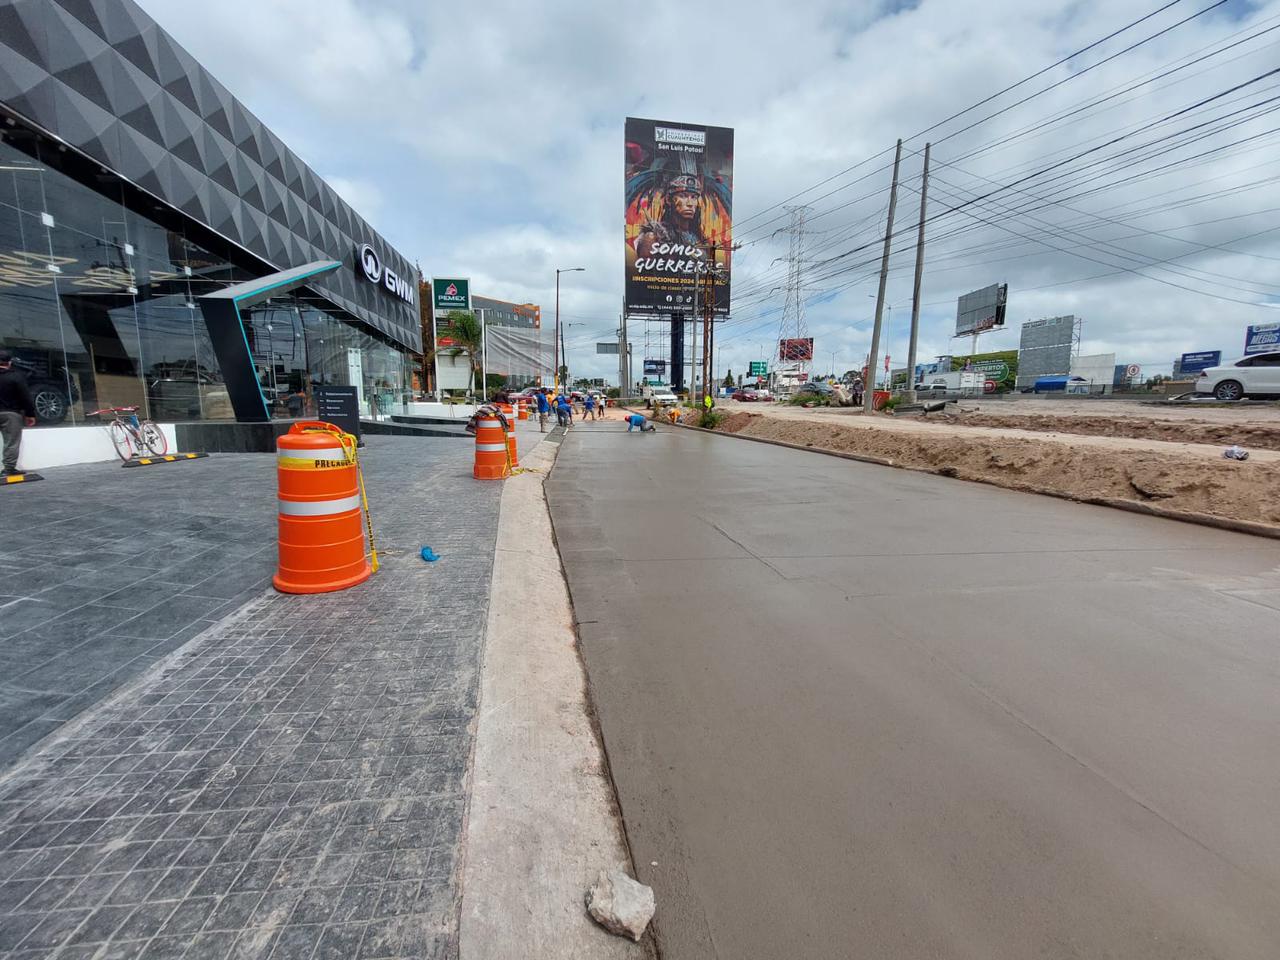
<point>853,711</point>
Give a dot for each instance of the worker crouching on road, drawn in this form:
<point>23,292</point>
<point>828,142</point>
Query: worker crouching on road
<point>638,420</point>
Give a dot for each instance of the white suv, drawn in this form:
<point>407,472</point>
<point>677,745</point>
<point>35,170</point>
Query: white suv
<point>1253,376</point>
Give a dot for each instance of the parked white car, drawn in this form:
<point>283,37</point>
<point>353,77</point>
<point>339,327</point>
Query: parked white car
<point>1255,376</point>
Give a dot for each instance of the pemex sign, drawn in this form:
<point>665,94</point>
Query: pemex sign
<point>450,293</point>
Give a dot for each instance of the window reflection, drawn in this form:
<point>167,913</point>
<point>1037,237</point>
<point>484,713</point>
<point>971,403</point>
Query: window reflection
<point>99,304</point>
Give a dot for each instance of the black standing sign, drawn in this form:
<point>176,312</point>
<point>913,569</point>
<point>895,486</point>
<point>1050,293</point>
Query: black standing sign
<point>339,406</point>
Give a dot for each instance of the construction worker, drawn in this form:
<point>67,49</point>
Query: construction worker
<point>638,420</point>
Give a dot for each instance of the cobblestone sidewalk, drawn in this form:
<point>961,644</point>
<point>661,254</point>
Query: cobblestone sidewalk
<point>289,785</point>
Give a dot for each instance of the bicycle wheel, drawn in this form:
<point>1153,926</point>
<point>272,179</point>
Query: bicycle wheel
<point>121,441</point>
<point>153,439</point>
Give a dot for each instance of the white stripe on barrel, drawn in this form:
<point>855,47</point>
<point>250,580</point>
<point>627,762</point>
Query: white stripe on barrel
<point>318,508</point>
<point>325,453</point>
<point>491,447</point>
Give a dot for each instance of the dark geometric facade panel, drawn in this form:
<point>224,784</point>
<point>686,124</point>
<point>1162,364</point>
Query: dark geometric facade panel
<point>104,78</point>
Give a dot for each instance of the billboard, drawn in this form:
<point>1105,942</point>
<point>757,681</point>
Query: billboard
<point>655,368</point>
<point>679,221</point>
<point>981,309</point>
<point>1045,349</point>
<point>1262,338</point>
<point>796,349</point>
<point>1203,360</point>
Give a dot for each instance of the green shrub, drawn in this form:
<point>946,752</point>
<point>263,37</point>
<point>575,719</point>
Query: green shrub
<point>710,419</point>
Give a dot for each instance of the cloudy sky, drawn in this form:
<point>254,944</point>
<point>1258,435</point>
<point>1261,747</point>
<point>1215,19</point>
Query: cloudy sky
<point>1134,188</point>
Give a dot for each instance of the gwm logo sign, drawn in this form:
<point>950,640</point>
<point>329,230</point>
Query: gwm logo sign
<point>369,264</point>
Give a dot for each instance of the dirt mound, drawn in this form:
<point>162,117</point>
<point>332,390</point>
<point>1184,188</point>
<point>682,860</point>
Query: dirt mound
<point>1257,436</point>
<point>735,422</point>
<point>1248,491</point>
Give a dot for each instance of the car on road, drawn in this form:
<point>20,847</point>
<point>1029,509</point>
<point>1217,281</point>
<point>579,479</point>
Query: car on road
<point>52,390</point>
<point>816,387</point>
<point>1255,376</point>
<point>745,395</point>
<point>659,395</point>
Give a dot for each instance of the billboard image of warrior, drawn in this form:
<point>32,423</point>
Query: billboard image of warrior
<point>679,192</point>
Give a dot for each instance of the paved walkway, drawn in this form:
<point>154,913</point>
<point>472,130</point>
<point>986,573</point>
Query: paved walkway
<point>105,570</point>
<point>288,785</point>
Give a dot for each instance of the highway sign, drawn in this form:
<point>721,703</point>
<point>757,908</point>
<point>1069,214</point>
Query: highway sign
<point>759,368</point>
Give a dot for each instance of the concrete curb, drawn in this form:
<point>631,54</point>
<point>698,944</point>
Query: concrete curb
<point>543,817</point>
<point>1149,509</point>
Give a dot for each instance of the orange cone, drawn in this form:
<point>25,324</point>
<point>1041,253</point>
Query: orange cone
<point>321,529</point>
<point>491,450</point>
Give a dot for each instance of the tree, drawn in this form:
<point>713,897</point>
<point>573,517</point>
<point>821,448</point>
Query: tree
<point>466,333</point>
<point>728,379</point>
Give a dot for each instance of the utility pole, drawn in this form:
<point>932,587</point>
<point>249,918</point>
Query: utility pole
<point>915,290</point>
<point>708,310</point>
<point>873,359</point>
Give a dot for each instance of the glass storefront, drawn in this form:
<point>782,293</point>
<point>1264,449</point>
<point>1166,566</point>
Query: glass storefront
<point>98,305</point>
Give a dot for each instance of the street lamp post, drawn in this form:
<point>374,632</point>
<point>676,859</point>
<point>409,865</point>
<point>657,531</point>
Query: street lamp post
<point>558,334</point>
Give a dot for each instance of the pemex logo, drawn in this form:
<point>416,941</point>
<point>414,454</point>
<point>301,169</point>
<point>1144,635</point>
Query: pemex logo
<point>451,290</point>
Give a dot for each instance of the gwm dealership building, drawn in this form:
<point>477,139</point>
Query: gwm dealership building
<point>161,248</point>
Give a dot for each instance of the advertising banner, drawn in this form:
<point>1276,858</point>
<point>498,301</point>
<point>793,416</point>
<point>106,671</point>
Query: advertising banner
<point>795,349</point>
<point>678,220</point>
<point>982,309</point>
<point>655,368</point>
<point>1202,360</point>
<point>1262,338</point>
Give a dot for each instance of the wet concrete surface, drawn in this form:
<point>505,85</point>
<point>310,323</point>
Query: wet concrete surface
<point>854,711</point>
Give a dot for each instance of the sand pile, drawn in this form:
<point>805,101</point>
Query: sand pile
<point>1257,436</point>
<point>1246,491</point>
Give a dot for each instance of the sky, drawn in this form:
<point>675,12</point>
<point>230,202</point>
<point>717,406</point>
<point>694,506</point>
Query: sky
<point>1133,188</point>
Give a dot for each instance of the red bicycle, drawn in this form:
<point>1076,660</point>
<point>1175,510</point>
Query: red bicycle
<point>133,437</point>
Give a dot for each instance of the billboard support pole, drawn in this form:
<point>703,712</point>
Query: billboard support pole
<point>873,359</point>
<point>910,393</point>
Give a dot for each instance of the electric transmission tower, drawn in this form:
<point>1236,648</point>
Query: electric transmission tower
<point>793,326</point>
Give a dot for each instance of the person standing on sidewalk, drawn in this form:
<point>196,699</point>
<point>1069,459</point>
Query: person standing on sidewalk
<point>544,409</point>
<point>17,410</point>
<point>588,407</point>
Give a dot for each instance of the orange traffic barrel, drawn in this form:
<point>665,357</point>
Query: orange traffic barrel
<point>522,409</point>
<point>507,410</point>
<point>321,529</point>
<point>491,449</point>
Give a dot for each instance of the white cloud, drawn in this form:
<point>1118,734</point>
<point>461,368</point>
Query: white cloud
<point>484,138</point>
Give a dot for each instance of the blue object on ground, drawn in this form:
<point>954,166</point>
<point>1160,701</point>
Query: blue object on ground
<point>429,555</point>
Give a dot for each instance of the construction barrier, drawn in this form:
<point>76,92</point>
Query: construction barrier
<point>522,409</point>
<point>507,409</point>
<point>492,450</point>
<point>879,398</point>
<point>321,522</point>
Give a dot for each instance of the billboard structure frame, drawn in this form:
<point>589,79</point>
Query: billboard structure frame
<point>1046,347</point>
